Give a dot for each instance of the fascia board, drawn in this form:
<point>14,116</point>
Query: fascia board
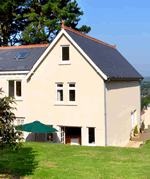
<point>75,44</point>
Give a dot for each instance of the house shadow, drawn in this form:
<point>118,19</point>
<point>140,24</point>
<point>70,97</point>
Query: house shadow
<point>17,164</point>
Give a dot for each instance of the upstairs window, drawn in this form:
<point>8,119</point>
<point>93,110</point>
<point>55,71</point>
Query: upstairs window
<point>15,89</point>
<point>21,55</point>
<point>59,93</point>
<point>72,92</point>
<point>65,54</point>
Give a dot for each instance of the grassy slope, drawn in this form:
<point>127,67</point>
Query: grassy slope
<point>46,160</point>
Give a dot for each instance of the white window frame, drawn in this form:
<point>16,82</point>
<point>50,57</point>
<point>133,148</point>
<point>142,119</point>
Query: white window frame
<point>62,139</point>
<point>59,88</point>
<point>65,61</point>
<point>15,124</point>
<point>89,144</point>
<point>133,119</point>
<point>71,88</point>
<point>15,92</point>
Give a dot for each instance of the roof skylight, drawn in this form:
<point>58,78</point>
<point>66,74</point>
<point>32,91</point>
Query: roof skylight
<point>21,55</point>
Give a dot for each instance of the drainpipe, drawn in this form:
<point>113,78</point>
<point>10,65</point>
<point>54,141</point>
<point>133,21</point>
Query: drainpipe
<point>140,101</point>
<point>105,113</point>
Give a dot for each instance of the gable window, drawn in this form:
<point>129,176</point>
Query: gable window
<point>59,92</point>
<point>72,92</point>
<point>65,54</point>
<point>15,89</point>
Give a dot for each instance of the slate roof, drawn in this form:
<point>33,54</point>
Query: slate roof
<point>8,62</point>
<point>105,56</point>
<point>144,108</point>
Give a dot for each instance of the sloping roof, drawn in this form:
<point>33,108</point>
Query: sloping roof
<point>144,108</point>
<point>142,112</point>
<point>8,62</point>
<point>105,56</point>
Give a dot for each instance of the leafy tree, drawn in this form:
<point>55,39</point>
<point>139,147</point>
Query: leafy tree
<point>45,18</point>
<point>12,21</point>
<point>145,102</point>
<point>8,134</point>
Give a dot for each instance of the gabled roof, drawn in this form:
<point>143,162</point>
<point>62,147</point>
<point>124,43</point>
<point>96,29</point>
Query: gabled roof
<point>105,56</point>
<point>8,62</point>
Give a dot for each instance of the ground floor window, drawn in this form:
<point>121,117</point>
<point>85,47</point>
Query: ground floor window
<point>50,136</point>
<point>91,135</point>
<point>134,118</point>
<point>19,121</point>
<point>62,135</point>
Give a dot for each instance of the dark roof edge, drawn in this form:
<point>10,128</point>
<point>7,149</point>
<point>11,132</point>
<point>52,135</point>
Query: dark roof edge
<point>124,79</point>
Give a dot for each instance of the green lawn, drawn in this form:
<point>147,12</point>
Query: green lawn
<point>49,161</point>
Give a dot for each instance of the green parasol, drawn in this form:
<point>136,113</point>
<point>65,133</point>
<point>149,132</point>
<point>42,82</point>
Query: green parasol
<point>36,127</point>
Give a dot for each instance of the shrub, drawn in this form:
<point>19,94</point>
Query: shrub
<point>142,126</point>
<point>136,130</point>
<point>9,136</point>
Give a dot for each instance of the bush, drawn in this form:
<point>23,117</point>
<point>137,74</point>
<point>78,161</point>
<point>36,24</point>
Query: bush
<point>142,126</point>
<point>136,130</point>
<point>9,136</point>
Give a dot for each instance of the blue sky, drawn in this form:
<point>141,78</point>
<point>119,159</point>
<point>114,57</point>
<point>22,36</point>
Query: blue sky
<point>124,23</point>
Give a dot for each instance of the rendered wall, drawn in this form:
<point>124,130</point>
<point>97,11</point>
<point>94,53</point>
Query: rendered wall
<point>123,97</point>
<point>146,117</point>
<point>89,108</point>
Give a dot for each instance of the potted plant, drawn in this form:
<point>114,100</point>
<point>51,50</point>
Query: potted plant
<point>142,127</point>
<point>136,133</point>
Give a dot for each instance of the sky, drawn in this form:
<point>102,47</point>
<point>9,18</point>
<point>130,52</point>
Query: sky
<point>124,23</point>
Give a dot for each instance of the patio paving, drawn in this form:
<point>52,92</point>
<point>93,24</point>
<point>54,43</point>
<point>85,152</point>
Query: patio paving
<point>137,142</point>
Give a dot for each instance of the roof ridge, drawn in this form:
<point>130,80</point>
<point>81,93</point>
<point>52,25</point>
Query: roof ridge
<point>25,46</point>
<point>84,35</point>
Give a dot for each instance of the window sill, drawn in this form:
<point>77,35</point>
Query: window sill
<point>65,63</point>
<point>65,104</point>
<point>18,99</point>
<point>91,144</point>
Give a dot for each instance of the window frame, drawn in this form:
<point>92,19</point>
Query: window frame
<point>15,124</point>
<point>16,58</point>
<point>15,92</point>
<point>71,88</point>
<point>59,88</point>
<point>65,61</point>
<point>90,144</point>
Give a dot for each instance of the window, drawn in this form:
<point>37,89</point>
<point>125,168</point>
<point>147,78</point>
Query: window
<point>134,118</point>
<point>19,121</point>
<point>72,92</point>
<point>59,92</point>
<point>65,54</point>
<point>50,136</point>
<point>15,89</point>
<point>21,55</point>
<point>91,135</point>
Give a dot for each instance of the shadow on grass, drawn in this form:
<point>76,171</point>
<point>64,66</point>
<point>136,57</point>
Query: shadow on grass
<point>16,164</point>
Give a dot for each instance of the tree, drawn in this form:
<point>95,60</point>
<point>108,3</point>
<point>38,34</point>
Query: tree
<point>45,19</point>
<point>8,134</point>
<point>12,21</point>
<point>145,102</point>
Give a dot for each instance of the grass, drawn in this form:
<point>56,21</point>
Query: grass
<point>55,161</point>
